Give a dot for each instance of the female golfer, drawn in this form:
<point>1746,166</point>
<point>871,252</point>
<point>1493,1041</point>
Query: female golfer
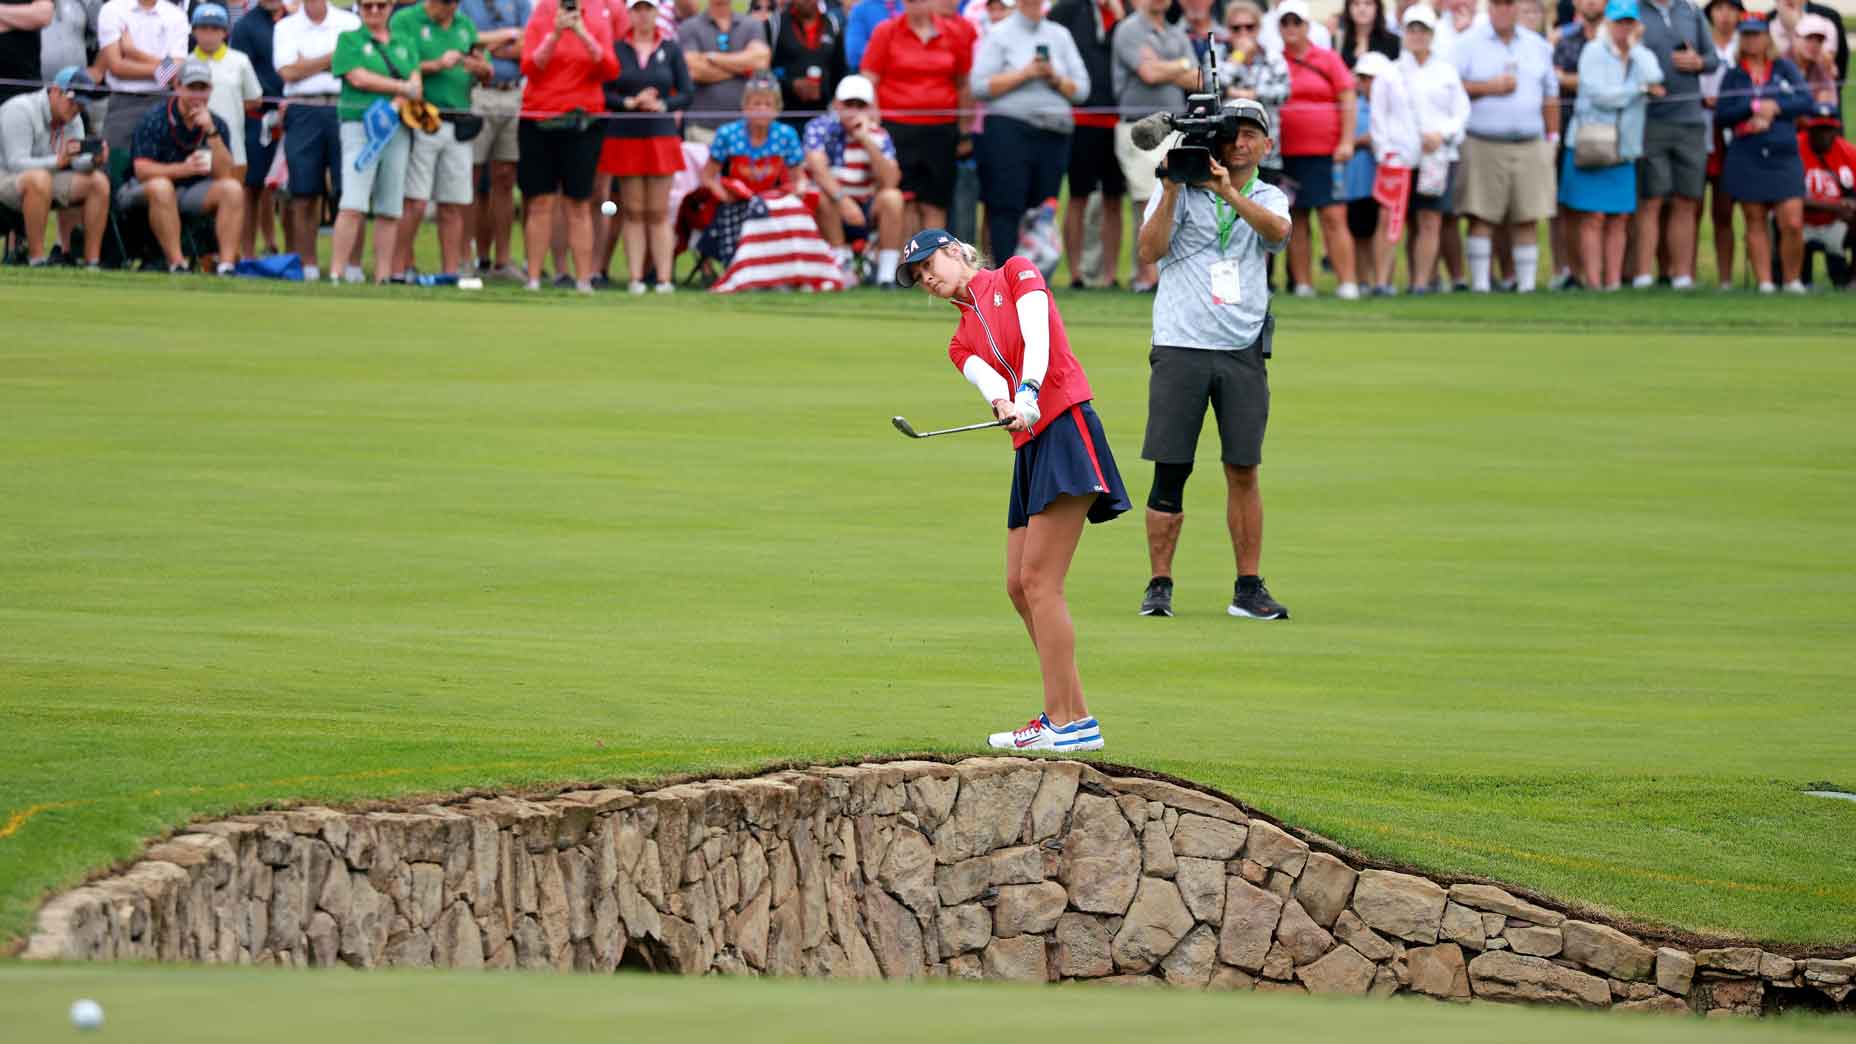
<point>1011,337</point>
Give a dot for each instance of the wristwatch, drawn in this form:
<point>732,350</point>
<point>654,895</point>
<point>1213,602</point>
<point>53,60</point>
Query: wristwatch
<point>1030,386</point>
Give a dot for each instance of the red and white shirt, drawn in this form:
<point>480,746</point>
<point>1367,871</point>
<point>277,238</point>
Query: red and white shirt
<point>989,332</point>
<point>1828,178</point>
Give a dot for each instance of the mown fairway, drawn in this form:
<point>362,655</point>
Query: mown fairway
<point>1571,576</point>
<point>240,1005</point>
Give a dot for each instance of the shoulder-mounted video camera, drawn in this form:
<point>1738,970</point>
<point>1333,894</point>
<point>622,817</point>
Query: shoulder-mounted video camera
<point>1203,125</point>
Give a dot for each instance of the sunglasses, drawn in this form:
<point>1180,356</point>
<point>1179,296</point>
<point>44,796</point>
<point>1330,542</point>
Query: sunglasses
<point>1242,27</point>
<point>376,7</point>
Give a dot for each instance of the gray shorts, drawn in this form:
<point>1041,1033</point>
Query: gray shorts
<point>189,196</point>
<point>1179,384</point>
<point>1675,160</point>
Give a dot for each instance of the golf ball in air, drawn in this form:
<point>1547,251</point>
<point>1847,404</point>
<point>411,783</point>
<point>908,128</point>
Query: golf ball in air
<point>608,208</point>
<point>86,1014</point>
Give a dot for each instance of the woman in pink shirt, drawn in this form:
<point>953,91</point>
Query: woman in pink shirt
<point>1317,141</point>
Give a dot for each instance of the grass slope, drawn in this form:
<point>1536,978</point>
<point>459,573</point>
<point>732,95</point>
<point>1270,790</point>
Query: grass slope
<point>1571,576</point>
<point>239,1005</point>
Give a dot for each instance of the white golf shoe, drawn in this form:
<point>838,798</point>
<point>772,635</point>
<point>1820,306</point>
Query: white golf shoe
<point>1040,734</point>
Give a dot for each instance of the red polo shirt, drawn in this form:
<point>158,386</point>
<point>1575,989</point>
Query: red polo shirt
<point>1311,117</point>
<point>574,74</point>
<point>917,74</point>
<point>989,332</point>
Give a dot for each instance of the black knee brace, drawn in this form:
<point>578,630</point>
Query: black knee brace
<point>1169,492</point>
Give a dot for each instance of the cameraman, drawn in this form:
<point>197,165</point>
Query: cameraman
<point>1211,335</point>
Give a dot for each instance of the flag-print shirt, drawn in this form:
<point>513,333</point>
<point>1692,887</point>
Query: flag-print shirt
<point>847,157</point>
<point>762,167</point>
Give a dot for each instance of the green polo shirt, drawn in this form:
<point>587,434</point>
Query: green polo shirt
<point>357,49</point>
<point>448,88</point>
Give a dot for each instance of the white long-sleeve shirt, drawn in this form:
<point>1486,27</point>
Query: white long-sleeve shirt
<point>1437,98</point>
<point>1394,121</point>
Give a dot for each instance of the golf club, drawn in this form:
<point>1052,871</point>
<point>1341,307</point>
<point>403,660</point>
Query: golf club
<point>903,427</point>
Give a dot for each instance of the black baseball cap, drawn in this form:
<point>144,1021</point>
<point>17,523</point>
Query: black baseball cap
<point>918,249</point>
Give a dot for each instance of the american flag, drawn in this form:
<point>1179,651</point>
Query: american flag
<point>780,246</point>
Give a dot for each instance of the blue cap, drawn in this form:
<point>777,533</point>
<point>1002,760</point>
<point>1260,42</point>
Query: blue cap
<point>1621,10</point>
<point>1752,24</point>
<point>918,249</point>
<point>73,78</point>
<point>213,15</point>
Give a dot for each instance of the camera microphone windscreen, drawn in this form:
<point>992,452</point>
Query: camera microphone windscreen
<point>1149,131</point>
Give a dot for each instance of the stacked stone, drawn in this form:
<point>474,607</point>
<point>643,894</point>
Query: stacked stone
<point>995,868</point>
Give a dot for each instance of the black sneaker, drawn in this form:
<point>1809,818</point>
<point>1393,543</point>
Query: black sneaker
<point>1256,603</point>
<point>1158,601</point>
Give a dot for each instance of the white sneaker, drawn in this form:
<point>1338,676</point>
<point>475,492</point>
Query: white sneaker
<point>1768,288</point>
<point>1561,280</point>
<point>1682,283</point>
<point>1726,288</point>
<point>1796,287</point>
<point>1304,290</point>
<point>1643,282</point>
<point>636,288</point>
<point>666,288</point>
<point>1347,292</point>
<point>1040,734</point>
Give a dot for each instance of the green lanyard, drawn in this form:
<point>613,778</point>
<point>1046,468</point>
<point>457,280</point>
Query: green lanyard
<point>1227,214</point>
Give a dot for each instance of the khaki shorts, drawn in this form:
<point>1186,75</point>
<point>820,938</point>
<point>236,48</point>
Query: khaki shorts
<point>1137,167</point>
<point>438,171</point>
<point>699,135</point>
<point>501,111</point>
<point>1506,182</point>
<point>63,183</point>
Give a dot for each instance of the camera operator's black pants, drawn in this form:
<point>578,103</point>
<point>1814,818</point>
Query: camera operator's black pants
<point>1020,167</point>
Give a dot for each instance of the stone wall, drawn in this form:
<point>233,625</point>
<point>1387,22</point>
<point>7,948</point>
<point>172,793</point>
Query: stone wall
<point>994,868</point>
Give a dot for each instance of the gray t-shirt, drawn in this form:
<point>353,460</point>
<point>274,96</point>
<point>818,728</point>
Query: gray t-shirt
<point>700,33</point>
<point>1185,313</point>
<point>1138,99</point>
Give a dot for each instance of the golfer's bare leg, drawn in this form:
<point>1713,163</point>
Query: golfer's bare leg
<point>1014,582</point>
<point>1050,544</point>
<point>1244,516</point>
<point>1162,538</point>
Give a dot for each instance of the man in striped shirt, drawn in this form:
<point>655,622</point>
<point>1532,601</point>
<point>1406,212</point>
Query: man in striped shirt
<point>853,164</point>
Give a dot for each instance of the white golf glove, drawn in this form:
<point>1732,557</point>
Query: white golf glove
<point>1026,403</point>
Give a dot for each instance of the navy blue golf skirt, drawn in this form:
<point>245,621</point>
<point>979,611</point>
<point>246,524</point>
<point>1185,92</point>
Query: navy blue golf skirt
<point>1069,457</point>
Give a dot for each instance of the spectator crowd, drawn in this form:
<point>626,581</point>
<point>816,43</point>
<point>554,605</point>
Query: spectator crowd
<point>228,132</point>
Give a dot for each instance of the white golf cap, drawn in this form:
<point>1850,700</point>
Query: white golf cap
<point>1372,63</point>
<point>855,88</point>
<point>1298,8</point>
<point>1421,14</point>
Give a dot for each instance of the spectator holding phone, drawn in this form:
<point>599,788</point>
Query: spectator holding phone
<point>1028,72</point>
<point>567,55</point>
<point>46,162</point>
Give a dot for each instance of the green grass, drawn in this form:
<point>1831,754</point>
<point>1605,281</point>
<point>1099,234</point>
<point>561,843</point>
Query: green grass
<point>242,1005</point>
<point>1572,577</point>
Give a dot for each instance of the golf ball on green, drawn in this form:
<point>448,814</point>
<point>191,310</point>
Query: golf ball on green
<point>86,1014</point>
